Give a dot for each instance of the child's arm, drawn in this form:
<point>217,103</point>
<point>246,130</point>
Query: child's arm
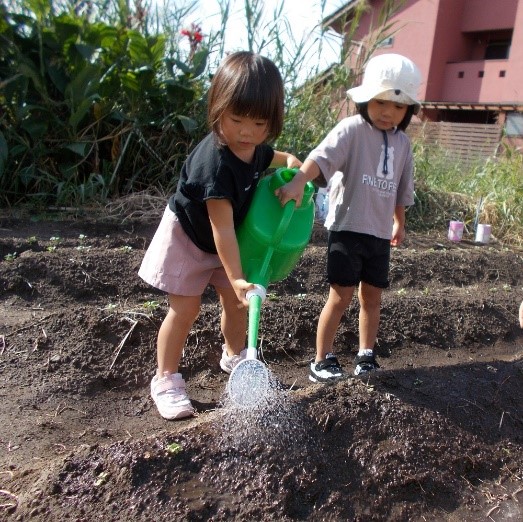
<point>284,159</point>
<point>220,215</point>
<point>294,189</point>
<point>398,229</point>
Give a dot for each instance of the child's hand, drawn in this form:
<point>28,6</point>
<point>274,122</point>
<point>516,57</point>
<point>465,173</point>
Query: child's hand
<point>241,287</point>
<point>398,234</point>
<point>293,162</point>
<point>292,190</point>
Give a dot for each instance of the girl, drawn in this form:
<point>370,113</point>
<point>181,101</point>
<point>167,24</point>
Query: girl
<point>368,159</point>
<point>195,243</point>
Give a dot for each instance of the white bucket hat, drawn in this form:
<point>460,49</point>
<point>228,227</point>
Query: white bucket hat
<point>389,77</point>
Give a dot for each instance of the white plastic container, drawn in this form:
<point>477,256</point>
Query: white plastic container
<point>483,233</point>
<point>456,230</point>
<point>322,204</point>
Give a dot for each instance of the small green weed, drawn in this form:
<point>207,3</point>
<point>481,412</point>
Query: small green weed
<point>151,306</point>
<point>174,448</point>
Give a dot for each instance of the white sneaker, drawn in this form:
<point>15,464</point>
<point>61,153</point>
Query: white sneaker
<point>228,362</point>
<point>168,393</point>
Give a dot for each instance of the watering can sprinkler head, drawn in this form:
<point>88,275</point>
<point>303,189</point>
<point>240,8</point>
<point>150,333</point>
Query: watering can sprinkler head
<point>249,381</point>
<point>249,385</point>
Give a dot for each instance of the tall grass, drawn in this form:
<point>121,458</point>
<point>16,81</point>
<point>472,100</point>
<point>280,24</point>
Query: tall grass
<point>487,191</point>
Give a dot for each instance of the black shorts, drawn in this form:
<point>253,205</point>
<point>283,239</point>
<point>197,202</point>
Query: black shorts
<point>354,257</point>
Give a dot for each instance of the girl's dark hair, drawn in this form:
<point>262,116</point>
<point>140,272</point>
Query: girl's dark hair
<point>249,85</point>
<point>364,111</point>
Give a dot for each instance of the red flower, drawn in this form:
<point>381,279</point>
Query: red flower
<point>194,33</point>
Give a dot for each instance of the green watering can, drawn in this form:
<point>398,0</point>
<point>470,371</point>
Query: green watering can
<point>272,239</point>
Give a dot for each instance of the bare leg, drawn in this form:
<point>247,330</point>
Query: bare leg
<point>183,311</point>
<point>330,317</point>
<point>369,320</point>
<point>233,322</point>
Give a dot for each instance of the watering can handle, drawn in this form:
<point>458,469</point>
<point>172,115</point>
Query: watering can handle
<point>288,211</point>
<point>280,178</point>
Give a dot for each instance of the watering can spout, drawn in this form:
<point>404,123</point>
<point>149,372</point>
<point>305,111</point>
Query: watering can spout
<point>256,297</point>
<point>252,353</point>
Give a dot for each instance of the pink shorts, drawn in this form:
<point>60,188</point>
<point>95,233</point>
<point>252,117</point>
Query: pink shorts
<point>174,264</point>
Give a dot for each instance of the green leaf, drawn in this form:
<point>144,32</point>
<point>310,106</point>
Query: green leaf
<point>78,147</point>
<point>66,29</point>
<point>27,68</point>
<point>184,68</point>
<point>82,85</point>
<point>157,49</point>
<point>27,175</point>
<point>85,106</point>
<point>18,150</point>
<point>34,127</point>
<point>199,62</point>
<point>107,35</point>
<point>189,125</point>
<point>129,82</point>
<point>178,93</point>
<point>138,49</point>
<point>58,77</point>
<point>86,51</point>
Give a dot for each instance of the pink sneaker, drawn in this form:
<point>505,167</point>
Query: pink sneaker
<point>228,362</point>
<point>168,393</point>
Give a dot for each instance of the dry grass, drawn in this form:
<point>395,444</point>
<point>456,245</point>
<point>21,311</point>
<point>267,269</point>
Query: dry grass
<point>145,205</point>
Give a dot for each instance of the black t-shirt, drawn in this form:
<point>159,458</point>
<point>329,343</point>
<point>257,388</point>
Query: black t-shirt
<point>212,171</point>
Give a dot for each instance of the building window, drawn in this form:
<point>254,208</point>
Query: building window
<point>461,74</point>
<point>497,50</point>
<point>514,124</point>
<point>502,74</point>
<point>481,74</point>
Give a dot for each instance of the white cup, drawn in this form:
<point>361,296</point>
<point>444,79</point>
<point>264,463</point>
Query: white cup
<point>483,233</point>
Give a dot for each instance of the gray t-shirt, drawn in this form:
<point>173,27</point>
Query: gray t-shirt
<point>362,196</point>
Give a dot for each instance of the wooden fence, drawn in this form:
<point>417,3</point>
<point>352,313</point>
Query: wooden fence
<point>467,142</point>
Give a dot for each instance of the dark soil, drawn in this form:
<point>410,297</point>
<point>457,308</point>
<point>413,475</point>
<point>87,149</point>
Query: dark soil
<point>436,434</point>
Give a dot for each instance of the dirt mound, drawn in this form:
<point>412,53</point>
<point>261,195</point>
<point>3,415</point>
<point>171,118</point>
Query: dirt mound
<point>436,434</point>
